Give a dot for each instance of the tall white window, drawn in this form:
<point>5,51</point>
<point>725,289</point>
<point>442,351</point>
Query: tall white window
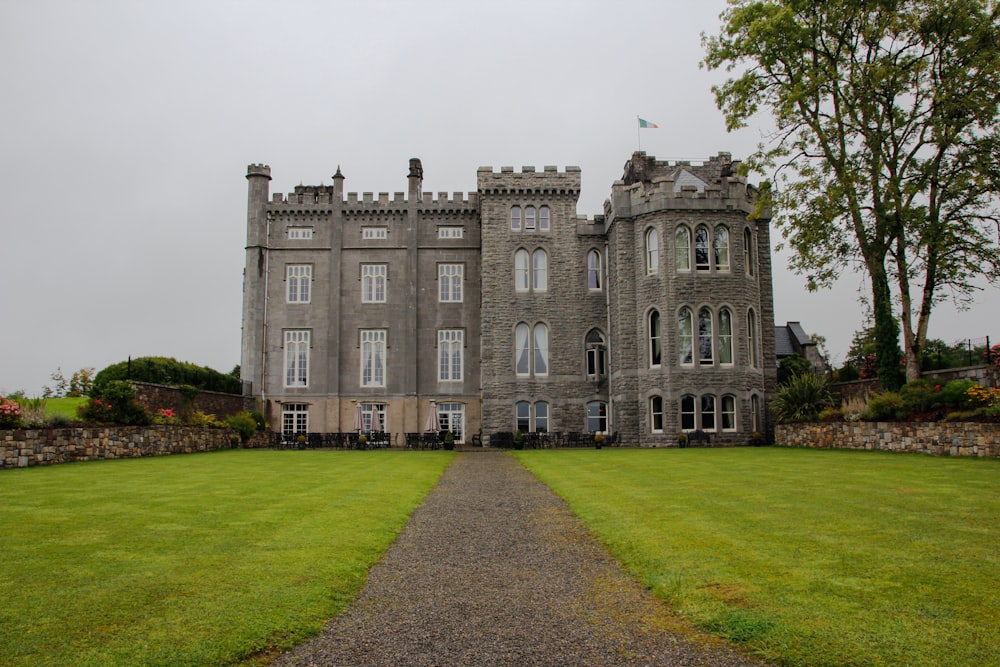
<point>543,219</point>
<point>705,355</point>
<point>688,413</point>
<point>682,249</point>
<point>521,270</point>
<point>752,338</point>
<point>701,256</point>
<point>294,418</point>
<point>531,350</point>
<point>539,271</point>
<point>451,344</point>
<point>708,412</point>
<point>596,352</point>
<point>299,280</point>
<point>725,336</point>
<point>594,270</point>
<point>655,340</point>
<point>373,357</point>
<point>652,251</point>
<point>373,417</point>
<point>529,217</point>
<point>727,412</point>
<point>748,253</point>
<point>373,283</point>
<point>450,282</point>
<point>522,416</point>
<point>720,245</point>
<point>656,414</point>
<point>515,218</point>
<point>541,417</point>
<point>685,337</point>
<point>297,358</point>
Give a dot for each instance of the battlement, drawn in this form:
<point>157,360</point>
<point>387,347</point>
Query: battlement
<point>368,201</point>
<point>259,170</point>
<point>549,181</point>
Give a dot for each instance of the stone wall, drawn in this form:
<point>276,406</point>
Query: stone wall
<point>936,438</point>
<point>31,447</point>
<point>221,405</point>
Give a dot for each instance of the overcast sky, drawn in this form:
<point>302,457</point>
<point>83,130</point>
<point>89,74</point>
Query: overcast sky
<point>126,128</point>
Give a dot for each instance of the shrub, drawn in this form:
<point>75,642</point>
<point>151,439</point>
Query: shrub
<point>243,423</point>
<point>163,370</point>
<point>887,406</point>
<point>199,418</point>
<point>954,395</point>
<point>10,413</point>
<point>166,416</point>
<point>921,396</point>
<point>801,399</point>
<point>854,407</point>
<point>117,405</point>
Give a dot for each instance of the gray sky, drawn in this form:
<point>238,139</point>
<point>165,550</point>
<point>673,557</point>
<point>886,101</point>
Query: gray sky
<point>126,128</point>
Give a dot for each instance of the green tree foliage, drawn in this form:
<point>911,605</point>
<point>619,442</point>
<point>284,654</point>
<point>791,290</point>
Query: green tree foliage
<point>116,405</point>
<point>163,370</point>
<point>791,366</point>
<point>886,149</point>
<point>802,398</point>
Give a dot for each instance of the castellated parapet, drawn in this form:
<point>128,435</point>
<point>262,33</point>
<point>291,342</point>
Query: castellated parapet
<point>549,181</point>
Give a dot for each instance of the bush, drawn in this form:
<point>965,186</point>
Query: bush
<point>163,370</point>
<point>117,405</point>
<point>10,414</point>
<point>243,423</point>
<point>921,397</point>
<point>199,418</point>
<point>955,396</point>
<point>887,406</point>
<point>801,399</point>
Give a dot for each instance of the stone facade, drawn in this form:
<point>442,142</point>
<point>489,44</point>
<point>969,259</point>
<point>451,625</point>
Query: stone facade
<point>503,309</point>
<point>32,447</point>
<point>936,438</point>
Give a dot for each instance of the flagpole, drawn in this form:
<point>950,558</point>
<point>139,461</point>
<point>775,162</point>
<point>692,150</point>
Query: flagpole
<point>638,135</point>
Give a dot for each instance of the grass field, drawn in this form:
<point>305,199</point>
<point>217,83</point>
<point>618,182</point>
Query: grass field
<point>204,559</point>
<point>64,406</point>
<point>806,557</point>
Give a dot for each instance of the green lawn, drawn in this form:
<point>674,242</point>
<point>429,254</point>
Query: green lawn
<point>202,559</point>
<point>806,557</point>
<point>64,406</point>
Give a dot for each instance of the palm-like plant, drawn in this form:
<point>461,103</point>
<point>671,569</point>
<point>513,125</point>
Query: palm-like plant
<point>801,398</point>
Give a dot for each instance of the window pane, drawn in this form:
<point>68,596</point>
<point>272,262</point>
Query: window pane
<point>594,270</point>
<point>685,337</point>
<point>682,249</point>
<point>705,336</point>
<point>728,413</point>
<point>522,364</point>
<point>543,219</point>
<point>597,416</point>
<point>540,271</point>
<point>521,413</point>
<point>752,338</point>
<point>656,414</point>
<point>529,217</point>
<point>521,270</point>
<point>515,218</point>
<point>541,349</point>
<point>708,413</point>
<point>725,336</point>
<point>721,249</point>
<point>655,340</point>
<point>542,417</point>
<point>652,251</point>
<point>687,413</point>
<point>701,248</point>
<point>748,252</point>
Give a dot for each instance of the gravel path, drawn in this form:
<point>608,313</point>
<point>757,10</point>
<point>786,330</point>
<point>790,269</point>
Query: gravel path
<point>493,569</point>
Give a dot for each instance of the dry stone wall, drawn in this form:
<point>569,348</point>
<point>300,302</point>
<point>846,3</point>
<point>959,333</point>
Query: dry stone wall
<point>31,447</point>
<point>936,438</point>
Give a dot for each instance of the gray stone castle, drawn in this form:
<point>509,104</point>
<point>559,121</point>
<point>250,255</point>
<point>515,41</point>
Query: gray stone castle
<point>503,310</point>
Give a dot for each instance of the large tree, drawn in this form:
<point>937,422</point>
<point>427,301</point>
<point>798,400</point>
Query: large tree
<point>886,153</point>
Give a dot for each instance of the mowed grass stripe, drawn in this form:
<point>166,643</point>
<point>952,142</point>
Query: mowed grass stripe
<point>807,557</point>
<point>197,559</point>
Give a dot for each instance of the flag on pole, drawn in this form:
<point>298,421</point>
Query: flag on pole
<point>646,123</point>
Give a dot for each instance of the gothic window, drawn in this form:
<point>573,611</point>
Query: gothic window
<point>682,248</point>
<point>529,217</point>
<point>705,355</point>
<point>373,358</point>
<point>748,253</point>
<point>531,350</point>
<point>521,270</point>
<point>373,283</point>
<point>652,251</point>
<point>539,271</point>
<point>701,256</point>
<point>596,351</point>
<point>543,219</point>
<point>594,270</point>
<point>297,358</point>
<point>728,413</point>
<point>522,416</point>
<point>708,412</point>
<point>541,417</point>
<point>451,343</point>
<point>725,336</point>
<point>721,248</point>
<point>450,282</point>
<point>687,413</point>
<point>515,218</point>
<point>655,340</point>
<point>299,280</point>
<point>685,337</point>
<point>656,414</point>
<point>541,345</point>
<point>752,338</point>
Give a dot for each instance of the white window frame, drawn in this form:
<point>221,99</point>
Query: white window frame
<point>296,370</point>
<point>522,270</point>
<point>451,353</point>
<point>531,350</point>
<point>654,329</point>
<point>597,422</point>
<point>451,417</point>
<point>529,218</point>
<point>374,233</point>
<point>689,415</point>
<point>539,271</point>
<point>299,283</point>
<point>651,239</point>
<point>544,218</point>
<point>450,277</point>
<point>725,337</point>
<point>685,336</point>
<point>451,232</point>
<point>682,248</point>
<point>706,342</point>
<point>515,218</point>
<point>371,412</point>
<point>374,280</point>
<point>656,414</point>
<point>720,248</point>
<point>294,418</point>
<point>727,413</point>
<point>300,233</point>
<point>702,248</point>
<point>373,357</point>
<point>594,271</point>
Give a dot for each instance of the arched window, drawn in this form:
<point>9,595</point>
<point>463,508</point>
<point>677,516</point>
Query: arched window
<point>522,358</point>
<point>652,251</point>
<point>748,253</point>
<point>515,218</point>
<point>594,270</point>
<point>529,217</point>
<point>541,345</point>
<point>752,338</point>
<point>539,271</point>
<point>705,355</point>
<point>755,413</point>
<point>727,413</point>
<point>521,270</point>
<point>687,413</point>
<point>701,258</point>
<point>682,249</point>
<point>685,337</point>
<point>656,414</point>
<point>655,340</point>
<point>708,412</point>
<point>725,336</point>
<point>597,416</point>
<point>721,247</point>
<point>596,366</point>
<point>543,219</point>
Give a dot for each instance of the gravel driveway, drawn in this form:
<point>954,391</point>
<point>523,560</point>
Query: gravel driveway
<point>493,569</point>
